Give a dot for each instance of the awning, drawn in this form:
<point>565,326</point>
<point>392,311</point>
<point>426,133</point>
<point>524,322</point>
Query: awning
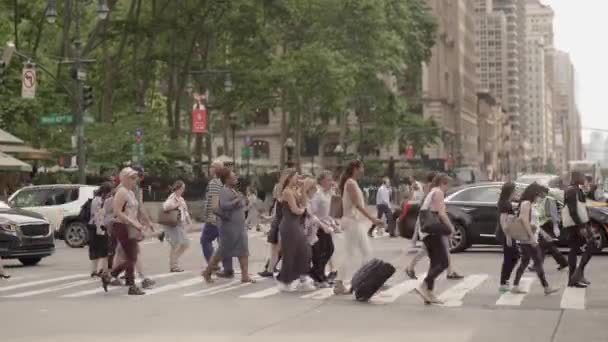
<point>25,152</point>
<point>8,163</point>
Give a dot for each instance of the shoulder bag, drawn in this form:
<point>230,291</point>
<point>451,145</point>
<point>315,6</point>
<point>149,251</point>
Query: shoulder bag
<point>430,223</point>
<point>169,218</point>
<point>132,232</point>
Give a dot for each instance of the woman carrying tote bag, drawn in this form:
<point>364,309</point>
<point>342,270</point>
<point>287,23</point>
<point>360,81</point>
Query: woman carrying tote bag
<point>175,226</point>
<point>528,218</point>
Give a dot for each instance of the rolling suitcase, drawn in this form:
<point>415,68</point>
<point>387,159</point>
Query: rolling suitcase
<point>370,278</point>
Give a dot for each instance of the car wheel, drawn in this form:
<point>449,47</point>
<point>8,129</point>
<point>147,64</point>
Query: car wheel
<point>458,241</point>
<point>30,261</point>
<point>75,235</point>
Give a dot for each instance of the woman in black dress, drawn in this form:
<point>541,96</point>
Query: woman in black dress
<point>296,252</point>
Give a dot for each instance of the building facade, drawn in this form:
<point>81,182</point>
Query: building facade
<point>450,82</point>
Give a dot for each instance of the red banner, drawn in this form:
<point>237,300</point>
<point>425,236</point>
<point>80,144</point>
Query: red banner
<point>409,152</point>
<point>199,120</point>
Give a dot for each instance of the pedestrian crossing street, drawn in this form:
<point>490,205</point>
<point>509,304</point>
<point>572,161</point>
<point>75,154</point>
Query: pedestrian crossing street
<point>476,290</point>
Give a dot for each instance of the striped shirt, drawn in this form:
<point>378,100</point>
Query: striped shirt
<point>213,191</point>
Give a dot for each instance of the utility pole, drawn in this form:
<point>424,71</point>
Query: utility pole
<point>80,145</point>
<point>79,75</point>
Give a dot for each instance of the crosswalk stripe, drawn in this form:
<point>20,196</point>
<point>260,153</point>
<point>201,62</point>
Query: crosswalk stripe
<point>271,291</point>
<point>100,290</point>
<point>391,295</point>
<point>52,289</point>
<point>320,294</point>
<point>41,282</point>
<point>227,289</point>
<point>512,299</point>
<point>212,289</point>
<point>454,295</point>
<point>573,298</point>
<point>175,286</point>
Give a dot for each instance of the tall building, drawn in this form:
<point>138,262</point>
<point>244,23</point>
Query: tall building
<point>449,82</point>
<point>538,118</point>
<point>566,119</point>
<point>513,11</point>
<point>491,45</point>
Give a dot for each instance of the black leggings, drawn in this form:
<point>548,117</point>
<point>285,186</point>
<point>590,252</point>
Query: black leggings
<point>438,254</point>
<point>322,251</point>
<point>509,260</point>
<point>530,252</point>
<point>575,241</point>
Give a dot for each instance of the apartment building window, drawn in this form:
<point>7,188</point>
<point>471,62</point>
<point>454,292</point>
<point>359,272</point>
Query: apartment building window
<point>261,149</point>
<point>262,116</point>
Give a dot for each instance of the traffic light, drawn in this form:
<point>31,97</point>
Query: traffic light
<point>87,96</point>
<point>2,72</point>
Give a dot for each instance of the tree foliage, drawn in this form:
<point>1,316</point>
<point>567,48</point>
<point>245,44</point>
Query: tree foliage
<point>311,60</point>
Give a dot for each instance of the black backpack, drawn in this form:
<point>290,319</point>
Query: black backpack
<point>85,212</point>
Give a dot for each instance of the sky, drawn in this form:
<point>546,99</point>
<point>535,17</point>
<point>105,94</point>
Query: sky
<point>580,26</point>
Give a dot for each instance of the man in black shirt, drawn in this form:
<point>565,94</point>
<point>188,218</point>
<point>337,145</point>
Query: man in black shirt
<point>578,232</point>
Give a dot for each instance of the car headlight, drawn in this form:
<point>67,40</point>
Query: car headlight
<point>9,227</point>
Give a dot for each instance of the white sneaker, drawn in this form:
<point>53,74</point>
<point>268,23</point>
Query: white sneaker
<point>307,287</point>
<point>284,287</point>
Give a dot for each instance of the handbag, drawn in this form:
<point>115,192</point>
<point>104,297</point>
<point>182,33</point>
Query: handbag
<point>516,230</point>
<point>134,233</point>
<point>431,224</point>
<point>335,207</point>
<point>169,218</point>
<point>581,210</point>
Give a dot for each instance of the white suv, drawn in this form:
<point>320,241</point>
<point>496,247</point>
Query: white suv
<point>60,204</point>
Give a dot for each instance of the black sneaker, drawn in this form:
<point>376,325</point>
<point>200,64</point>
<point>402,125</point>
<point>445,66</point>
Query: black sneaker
<point>332,276</point>
<point>578,285</point>
<point>265,274</point>
<point>136,291</point>
<point>225,274</point>
<point>147,283</point>
<point>161,237</point>
<point>455,276</point>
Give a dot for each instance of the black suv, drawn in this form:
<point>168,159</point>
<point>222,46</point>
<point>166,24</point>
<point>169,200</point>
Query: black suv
<point>24,235</point>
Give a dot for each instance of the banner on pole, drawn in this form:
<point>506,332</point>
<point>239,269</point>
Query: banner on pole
<point>199,115</point>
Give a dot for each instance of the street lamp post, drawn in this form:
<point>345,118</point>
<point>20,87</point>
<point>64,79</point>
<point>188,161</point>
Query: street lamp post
<point>233,126</point>
<point>80,76</point>
<point>289,146</point>
<point>340,152</point>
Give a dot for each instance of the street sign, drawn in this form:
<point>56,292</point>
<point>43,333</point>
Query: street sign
<point>139,135</point>
<point>28,83</point>
<point>137,151</point>
<point>246,152</point>
<point>199,119</point>
<point>57,119</point>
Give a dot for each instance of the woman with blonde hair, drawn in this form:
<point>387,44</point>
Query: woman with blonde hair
<point>273,234</point>
<point>177,235</point>
<point>296,251</point>
<point>127,228</point>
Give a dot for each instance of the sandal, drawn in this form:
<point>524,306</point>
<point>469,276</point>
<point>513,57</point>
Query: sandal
<point>207,276</point>
<point>4,276</point>
<point>248,281</point>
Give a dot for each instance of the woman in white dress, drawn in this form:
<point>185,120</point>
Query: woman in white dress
<point>176,236</point>
<point>355,223</point>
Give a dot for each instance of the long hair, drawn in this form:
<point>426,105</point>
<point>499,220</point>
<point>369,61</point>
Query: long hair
<point>348,173</point>
<point>439,179</point>
<point>286,176</point>
<point>104,189</point>
<point>531,192</point>
<point>504,200</point>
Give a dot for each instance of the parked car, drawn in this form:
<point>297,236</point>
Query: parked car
<point>544,179</point>
<point>24,235</point>
<point>60,204</point>
<point>474,213</point>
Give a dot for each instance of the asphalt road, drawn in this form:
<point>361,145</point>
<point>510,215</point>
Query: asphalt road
<point>57,301</point>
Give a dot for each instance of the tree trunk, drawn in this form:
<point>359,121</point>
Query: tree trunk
<point>16,23</point>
